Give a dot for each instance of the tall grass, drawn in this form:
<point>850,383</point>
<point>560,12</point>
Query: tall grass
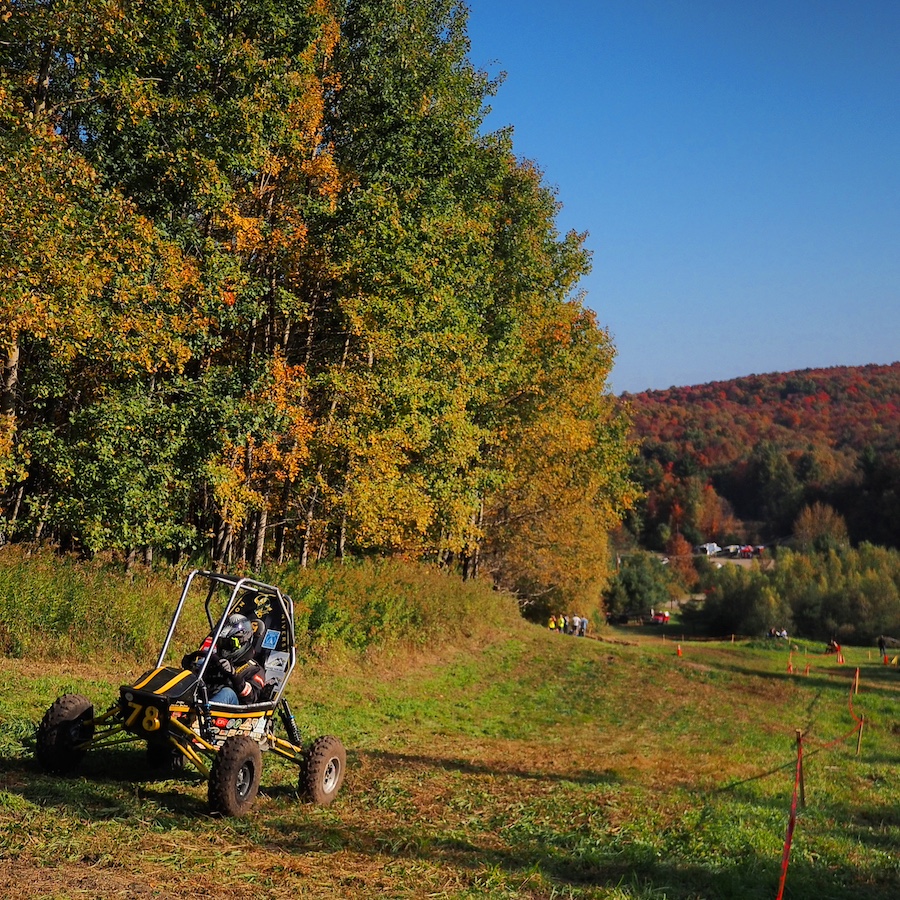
<point>383,602</point>
<point>53,607</point>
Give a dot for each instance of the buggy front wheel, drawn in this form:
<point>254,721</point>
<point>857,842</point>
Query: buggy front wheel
<point>65,726</point>
<point>234,776</point>
<point>323,770</point>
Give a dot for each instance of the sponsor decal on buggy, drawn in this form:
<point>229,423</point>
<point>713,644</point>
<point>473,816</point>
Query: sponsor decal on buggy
<point>276,667</point>
<point>226,727</point>
<point>263,605</point>
<point>270,641</point>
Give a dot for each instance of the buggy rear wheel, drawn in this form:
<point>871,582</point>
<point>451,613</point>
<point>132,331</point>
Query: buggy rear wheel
<point>323,770</point>
<point>68,723</point>
<point>234,776</point>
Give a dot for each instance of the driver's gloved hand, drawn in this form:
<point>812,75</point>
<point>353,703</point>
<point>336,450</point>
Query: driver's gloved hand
<point>226,667</point>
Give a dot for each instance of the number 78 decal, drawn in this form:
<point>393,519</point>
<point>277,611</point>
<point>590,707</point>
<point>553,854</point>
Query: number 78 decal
<point>150,722</point>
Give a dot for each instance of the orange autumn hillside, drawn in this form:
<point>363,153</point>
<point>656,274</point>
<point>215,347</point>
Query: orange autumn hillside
<point>739,460</point>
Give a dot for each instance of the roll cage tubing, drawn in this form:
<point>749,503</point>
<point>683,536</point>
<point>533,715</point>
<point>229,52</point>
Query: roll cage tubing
<point>237,585</point>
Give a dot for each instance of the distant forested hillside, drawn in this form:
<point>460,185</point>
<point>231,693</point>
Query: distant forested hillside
<point>741,460</point>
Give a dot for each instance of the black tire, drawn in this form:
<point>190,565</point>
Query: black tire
<point>323,770</point>
<point>68,723</point>
<point>234,776</point>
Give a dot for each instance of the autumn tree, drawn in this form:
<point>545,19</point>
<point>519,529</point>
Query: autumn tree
<point>559,446</point>
<point>398,456</point>
<point>229,162</point>
<point>819,527</point>
<point>681,561</point>
<point>93,296</point>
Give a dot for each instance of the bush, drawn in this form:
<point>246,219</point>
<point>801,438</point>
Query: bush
<point>52,606</point>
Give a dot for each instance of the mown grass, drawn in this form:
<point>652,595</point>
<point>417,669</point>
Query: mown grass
<point>501,762</point>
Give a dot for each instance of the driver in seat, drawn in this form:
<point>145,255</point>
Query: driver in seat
<point>232,676</point>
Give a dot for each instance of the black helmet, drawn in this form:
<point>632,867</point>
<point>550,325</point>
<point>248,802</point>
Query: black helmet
<point>236,640</point>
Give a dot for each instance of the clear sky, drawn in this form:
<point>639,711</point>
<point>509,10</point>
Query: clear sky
<point>736,163</point>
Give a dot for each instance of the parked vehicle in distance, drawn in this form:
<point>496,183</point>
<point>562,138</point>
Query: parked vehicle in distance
<point>710,549</point>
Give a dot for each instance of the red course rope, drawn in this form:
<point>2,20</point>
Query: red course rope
<point>792,821</point>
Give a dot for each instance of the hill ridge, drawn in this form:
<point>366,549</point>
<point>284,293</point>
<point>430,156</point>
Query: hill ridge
<point>770,444</point>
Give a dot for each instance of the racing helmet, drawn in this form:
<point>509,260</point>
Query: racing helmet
<point>236,640</point>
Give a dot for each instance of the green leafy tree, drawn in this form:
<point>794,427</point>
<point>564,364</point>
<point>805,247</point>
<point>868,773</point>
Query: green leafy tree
<point>112,474</point>
<point>640,584</point>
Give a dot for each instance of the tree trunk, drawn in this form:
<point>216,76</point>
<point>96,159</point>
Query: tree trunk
<point>310,509</point>
<point>476,553</point>
<point>281,531</point>
<point>342,537</point>
<point>43,82</point>
<point>10,376</point>
<point>17,505</point>
<point>307,534</point>
<point>221,543</point>
<point>470,556</point>
<point>41,523</point>
<point>260,544</point>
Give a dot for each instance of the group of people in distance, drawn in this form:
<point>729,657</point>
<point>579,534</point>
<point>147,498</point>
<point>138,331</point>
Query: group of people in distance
<point>574,625</point>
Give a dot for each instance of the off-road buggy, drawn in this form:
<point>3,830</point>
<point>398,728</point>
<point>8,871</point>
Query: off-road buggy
<point>169,705</point>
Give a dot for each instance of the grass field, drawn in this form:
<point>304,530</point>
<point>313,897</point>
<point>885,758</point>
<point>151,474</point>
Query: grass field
<point>526,765</point>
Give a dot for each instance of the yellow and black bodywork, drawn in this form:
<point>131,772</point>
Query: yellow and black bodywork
<point>169,705</point>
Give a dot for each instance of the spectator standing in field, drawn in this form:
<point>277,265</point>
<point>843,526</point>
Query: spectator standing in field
<point>583,631</point>
<point>552,623</point>
<point>576,624</point>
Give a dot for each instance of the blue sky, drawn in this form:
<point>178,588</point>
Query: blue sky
<point>737,165</point>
